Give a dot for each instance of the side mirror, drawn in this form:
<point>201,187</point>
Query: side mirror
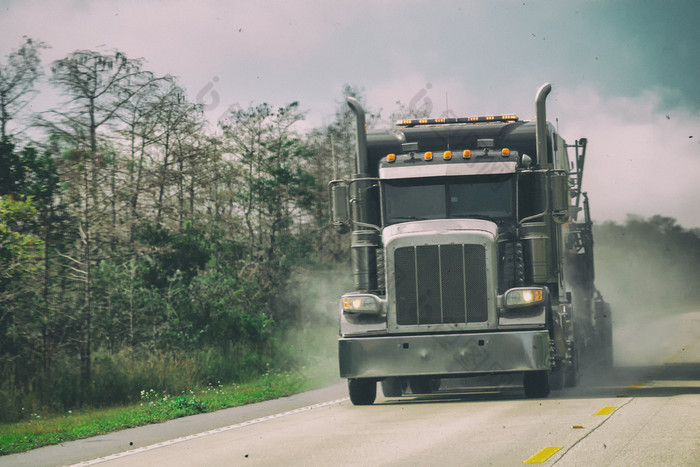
<point>559,195</point>
<point>340,206</point>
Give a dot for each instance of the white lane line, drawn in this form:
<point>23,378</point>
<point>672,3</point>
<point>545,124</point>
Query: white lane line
<point>207,433</point>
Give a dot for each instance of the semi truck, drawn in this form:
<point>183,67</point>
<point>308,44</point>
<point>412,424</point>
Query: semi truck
<point>472,254</point>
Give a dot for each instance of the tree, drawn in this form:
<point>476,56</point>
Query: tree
<point>98,87</point>
<point>333,157</point>
<point>11,168</point>
<point>33,228</point>
<point>17,80</point>
<point>275,186</point>
<point>20,255</point>
<point>178,127</point>
<point>18,251</point>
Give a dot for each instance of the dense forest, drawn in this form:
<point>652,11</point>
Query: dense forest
<point>142,248</point>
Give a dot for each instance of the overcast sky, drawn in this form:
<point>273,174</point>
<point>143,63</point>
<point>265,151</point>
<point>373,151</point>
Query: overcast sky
<point>625,74</point>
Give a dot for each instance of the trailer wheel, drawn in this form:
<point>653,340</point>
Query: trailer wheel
<point>392,387</point>
<point>608,355</point>
<point>536,383</point>
<point>557,378</point>
<point>571,378</point>
<point>362,391</point>
<point>420,385</point>
<point>607,346</point>
<point>603,318</point>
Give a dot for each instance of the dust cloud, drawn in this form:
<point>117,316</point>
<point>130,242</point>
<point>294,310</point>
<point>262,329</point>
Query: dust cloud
<point>312,339</point>
<point>648,272</point>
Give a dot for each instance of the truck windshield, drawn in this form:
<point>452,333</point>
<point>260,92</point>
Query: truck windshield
<point>475,196</point>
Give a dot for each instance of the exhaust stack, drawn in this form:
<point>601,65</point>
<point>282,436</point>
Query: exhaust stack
<point>359,111</point>
<point>364,240</point>
<point>541,122</point>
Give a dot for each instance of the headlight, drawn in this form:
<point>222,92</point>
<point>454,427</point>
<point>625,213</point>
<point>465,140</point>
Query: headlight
<point>361,304</point>
<point>524,297</point>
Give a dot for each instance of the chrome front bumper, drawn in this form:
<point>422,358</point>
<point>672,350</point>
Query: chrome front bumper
<point>444,354</point>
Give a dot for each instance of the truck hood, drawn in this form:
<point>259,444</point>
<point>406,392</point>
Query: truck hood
<point>440,226</point>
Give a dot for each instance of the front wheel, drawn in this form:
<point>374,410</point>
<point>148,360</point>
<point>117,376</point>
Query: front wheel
<point>362,391</point>
<point>536,383</point>
<point>392,387</point>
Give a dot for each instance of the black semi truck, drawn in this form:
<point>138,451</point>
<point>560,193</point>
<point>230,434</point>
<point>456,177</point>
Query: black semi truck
<point>468,256</point>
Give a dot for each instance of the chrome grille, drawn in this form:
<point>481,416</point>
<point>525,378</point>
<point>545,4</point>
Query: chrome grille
<point>440,284</point>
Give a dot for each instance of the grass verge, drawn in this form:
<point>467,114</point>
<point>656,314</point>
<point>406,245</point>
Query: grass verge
<point>153,408</point>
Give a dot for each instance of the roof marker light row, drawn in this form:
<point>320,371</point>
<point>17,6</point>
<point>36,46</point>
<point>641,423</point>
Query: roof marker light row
<point>442,121</point>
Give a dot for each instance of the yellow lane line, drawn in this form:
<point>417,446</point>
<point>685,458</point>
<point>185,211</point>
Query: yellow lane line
<point>605,411</point>
<point>543,455</point>
<point>548,452</point>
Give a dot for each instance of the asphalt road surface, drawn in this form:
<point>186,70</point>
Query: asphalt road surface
<point>646,411</point>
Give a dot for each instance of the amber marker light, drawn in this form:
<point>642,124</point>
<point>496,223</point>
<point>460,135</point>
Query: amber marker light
<point>428,156</point>
<point>522,296</point>
<point>364,303</point>
<point>390,157</point>
<point>505,152</point>
<point>447,155</point>
<point>467,154</point>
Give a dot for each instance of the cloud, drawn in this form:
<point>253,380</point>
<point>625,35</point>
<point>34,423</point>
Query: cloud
<point>617,71</point>
<point>642,158</point>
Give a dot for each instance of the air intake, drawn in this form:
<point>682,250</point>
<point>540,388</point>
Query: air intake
<point>440,284</point>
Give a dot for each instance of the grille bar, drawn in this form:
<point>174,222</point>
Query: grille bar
<point>440,284</point>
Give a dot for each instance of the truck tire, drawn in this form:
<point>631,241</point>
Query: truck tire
<point>362,391</point>
<point>607,347</point>
<point>607,360</point>
<point>571,375</point>
<point>571,378</point>
<point>557,378</point>
<point>420,385</point>
<point>603,317</point>
<point>536,383</point>
<point>392,387</point>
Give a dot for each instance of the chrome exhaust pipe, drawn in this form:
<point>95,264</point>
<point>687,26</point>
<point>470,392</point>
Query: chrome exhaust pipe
<point>361,161</point>
<point>364,240</point>
<point>541,122</point>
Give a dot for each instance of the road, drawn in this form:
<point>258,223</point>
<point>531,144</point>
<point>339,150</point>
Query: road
<point>644,412</point>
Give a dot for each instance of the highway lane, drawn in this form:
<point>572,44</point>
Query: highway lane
<point>645,412</point>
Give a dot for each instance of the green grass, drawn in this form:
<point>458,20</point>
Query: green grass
<point>311,353</point>
<point>153,408</point>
